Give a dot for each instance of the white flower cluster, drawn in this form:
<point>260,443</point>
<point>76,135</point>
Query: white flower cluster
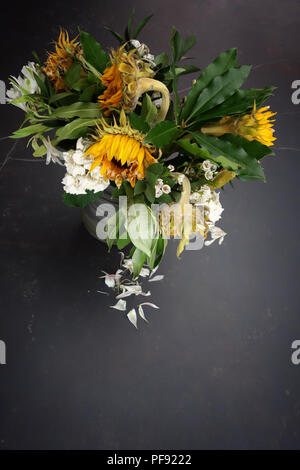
<point>209,169</point>
<point>161,188</point>
<point>143,51</point>
<point>78,179</point>
<point>210,201</point>
<point>25,85</point>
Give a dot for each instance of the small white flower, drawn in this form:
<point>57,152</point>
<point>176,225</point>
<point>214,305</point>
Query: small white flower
<point>25,85</point>
<point>166,189</point>
<point>159,182</point>
<point>171,167</point>
<point>206,165</point>
<point>180,179</point>
<point>209,175</point>
<point>194,197</point>
<point>53,154</point>
<point>158,192</point>
<point>78,165</point>
<point>214,167</point>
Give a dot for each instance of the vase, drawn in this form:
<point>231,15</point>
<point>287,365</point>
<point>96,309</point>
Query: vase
<point>89,215</point>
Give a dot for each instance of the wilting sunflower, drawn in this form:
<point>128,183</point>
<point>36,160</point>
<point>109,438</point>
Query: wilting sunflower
<point>254,126</point>
<point>60,61</point>
<point>126,80</point>
<point>120,152</point>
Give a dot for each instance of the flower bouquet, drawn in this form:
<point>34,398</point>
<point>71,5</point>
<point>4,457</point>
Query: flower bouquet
<point>117,122</point>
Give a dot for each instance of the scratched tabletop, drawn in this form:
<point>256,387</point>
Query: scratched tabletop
<point>213,368</point>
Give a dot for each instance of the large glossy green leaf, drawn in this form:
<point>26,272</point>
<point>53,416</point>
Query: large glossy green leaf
<point>219,89</point>
<point>30,130</point>
<point>73,75</point>
<point>237,149</point>
<point>138,260</point>
<point>149,110</point>
<point>137,122</point>
<point>194,149</point>
<point>220,65</point>
<point>240,102</point>
<point>79,109</point>
<point>93,52</point>
<point>161,134</point>
<point>75,129</point>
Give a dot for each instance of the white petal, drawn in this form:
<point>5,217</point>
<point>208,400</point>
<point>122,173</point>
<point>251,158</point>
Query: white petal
<point>141,313</point>
<point>109,281</point>
<point>120,305</point>
<point>149,304</point>
<point>132,317</point>
<point>159,277</point>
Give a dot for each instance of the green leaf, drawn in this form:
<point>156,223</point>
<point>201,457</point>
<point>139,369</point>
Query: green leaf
<point>219,89</point>
<point>122,242</point>
<point>128,28</point>
<point>116,35</point>
<point>162,60</point>
<point>81,200</point>
<point>150,192</point>
<point>41,84</point>
<point>138,261</point>
<point>240,102</point>
<point>93,52</point>
<point>73,75</point>
<point>140,26</point>
<point>62,96</point>
<point>30,130</point>
<point>179,46</point>
<point>161,134</point>
<point>149,110</point>
<point>236,149</point>
<point>138,123</point>
<point>184,70</point>
<point>140,227</point>
<point>139,188</point>
<point>75,129</point>
<point>194,149</point>
<point>221,64</point>
<point>88,93</point>
<point>79,109</point>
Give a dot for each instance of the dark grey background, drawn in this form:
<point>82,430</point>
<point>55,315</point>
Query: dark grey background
<point>213,369</point>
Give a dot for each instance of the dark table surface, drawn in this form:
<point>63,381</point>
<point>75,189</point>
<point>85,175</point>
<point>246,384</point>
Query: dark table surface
<point>213,368</point>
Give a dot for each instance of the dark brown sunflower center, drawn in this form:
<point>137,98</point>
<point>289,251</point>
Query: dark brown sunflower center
<point>119,164</point>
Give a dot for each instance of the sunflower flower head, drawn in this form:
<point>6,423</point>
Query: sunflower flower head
<point>120,152</point>
<point>256,125</point>
<point>60,61</point>
<point>121,80</point>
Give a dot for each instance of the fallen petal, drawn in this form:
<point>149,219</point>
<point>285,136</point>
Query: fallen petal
<point>141,313</point>
<point>149,304</point>
<point>159,277</point>
<point>120,305</point>
<point>132,317</point>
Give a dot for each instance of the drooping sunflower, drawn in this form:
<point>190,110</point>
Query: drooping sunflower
<point>60,61</point>
<point>256,125</point>
<point>120,152</point>
<point>127,78</point>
